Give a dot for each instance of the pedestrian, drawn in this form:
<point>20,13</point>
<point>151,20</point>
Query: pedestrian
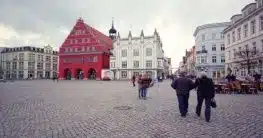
<point>183,85</point>
<point>139,86</point>
<point>133,80</point>
<point>205,91</point>
<point>145,83</point>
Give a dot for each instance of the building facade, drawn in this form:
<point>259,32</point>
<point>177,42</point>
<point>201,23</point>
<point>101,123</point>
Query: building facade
<point>167,66</point>
<point>244,41</point>
<point>29,62</point>
<point>210,49</point>
<point>1,64</point>
<point>84,53</point>
<point>134,55</point>
<point>190,61</point>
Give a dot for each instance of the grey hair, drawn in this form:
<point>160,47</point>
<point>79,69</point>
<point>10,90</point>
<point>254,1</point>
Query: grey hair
<point>203,74</point>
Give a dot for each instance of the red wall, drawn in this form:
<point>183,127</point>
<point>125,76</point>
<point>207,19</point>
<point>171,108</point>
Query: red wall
<point>87,39</point>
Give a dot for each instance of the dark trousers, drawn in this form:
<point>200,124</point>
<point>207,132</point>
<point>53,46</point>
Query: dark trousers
<point>183,103</point>
<point>133,82</point>
<point>200,100</point>
<point>143,92</point>
<point>140,92</point>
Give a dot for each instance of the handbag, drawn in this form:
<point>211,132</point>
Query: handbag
<point>213,103</point>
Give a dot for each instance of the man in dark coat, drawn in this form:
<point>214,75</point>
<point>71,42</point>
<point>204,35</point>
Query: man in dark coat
<point>133,80</point>
<point>183,85</point>
<point>205,91</point>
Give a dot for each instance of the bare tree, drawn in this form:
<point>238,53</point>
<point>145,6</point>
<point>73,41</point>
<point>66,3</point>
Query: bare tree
<point>247,57</point>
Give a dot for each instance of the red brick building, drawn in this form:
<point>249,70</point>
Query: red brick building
<point>84,53</point>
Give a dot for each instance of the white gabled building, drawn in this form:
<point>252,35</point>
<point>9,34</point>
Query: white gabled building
<point>135,55</point>
<point>244,41</point>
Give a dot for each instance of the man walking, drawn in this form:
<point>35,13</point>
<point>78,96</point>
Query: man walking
<point>183,85</point>
<point>133,80</point>
<point>205,91</point>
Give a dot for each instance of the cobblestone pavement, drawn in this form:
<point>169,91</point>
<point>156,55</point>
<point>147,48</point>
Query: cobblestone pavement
<point>98,109</point>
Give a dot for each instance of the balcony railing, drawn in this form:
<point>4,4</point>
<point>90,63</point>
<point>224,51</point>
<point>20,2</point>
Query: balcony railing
<point>201,52</point>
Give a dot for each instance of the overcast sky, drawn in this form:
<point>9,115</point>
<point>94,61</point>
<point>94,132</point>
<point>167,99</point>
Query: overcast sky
<point>41,22</point>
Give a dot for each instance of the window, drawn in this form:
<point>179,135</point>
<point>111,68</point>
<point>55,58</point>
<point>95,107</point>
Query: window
<point>31,56</point>
<point>14,65</point>
<point>94,49</point>
<point>135,52</point>
<point>39,66</point>
<point>55,59</point>
<point>213,59</point>
<point>214,36</point>
<point>222,47</point>
<point>21,56</point>
<point>222,36</point>
<point>48,59</point>
<point>21,74</point>
<point>233,36</point>
<point>150,73</point>
<point>148,64</point>
<point>243,72</point>
<point>21,65</point>
<point>245,30</point>
<point>222,59</point>
<point>124,74</point>
<point>148,52</point>
<point>253,26</point>
<point>229,55</point>
<point>246,47</point>
<point>203,37</point>
<point>124,53</point>
<point>124,64</point>
<point>95,59</point>
<point>31,65</point>
<point>238,33</point>
<point>261,22</point>
<point>48,66</point>
<point>198,60</point>
<point>112,64</point>
<point>214,48</point>
<point>136,73</point>
<point>55,66</point>
<point>136,64</point>
<point>203,48</point>
<point>203,59</point>
<point>228,39</point>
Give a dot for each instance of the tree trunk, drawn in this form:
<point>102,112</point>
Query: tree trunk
<point>248,66</point>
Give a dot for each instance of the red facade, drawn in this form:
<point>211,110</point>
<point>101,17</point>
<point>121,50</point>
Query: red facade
<point>84,53</point>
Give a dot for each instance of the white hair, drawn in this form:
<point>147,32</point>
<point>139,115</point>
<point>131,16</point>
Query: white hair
<point>203,74</point>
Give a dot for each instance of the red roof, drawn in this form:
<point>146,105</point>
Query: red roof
<point>100,36</point>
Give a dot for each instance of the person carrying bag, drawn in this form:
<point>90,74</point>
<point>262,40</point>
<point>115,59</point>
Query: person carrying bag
<point>205,92</point>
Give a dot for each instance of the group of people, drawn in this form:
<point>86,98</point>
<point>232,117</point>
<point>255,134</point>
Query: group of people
<point>144,82</point>
<point>183,85</point>
<point>205,92</point>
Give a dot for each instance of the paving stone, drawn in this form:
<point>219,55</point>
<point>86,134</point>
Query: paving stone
<point>86,109</point>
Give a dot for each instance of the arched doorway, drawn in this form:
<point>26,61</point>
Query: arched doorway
<point>67,74</point>
<point>79,74</point>
<point>92,74</point>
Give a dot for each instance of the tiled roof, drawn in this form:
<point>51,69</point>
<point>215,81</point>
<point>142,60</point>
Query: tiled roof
<point>100,36</point>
